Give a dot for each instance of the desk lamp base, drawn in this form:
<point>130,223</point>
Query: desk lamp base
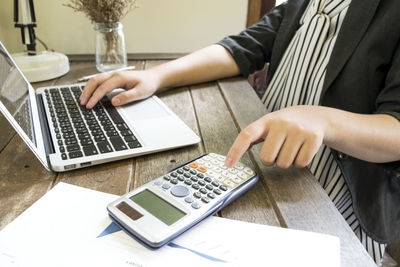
<point>43,66</point>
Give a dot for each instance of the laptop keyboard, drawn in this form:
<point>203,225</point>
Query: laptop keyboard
<point>86,132</point>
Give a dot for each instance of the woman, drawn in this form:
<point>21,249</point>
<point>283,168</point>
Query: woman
<point>333,98</point>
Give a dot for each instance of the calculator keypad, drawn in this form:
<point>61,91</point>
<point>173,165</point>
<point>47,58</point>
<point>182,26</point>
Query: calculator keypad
<point>204,180</point>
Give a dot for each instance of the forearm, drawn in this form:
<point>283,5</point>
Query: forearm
<point>210,63</point>
<point>374,138</point>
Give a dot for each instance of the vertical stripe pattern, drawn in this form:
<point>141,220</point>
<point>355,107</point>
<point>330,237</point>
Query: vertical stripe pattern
<point>299,81</point>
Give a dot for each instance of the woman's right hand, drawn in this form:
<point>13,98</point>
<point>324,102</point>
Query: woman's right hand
<point>210,63</point>
<point>137,84</point>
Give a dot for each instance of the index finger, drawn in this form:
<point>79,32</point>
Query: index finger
<point>247,137</point>
<point>91,86</point>
<point>107,86</point>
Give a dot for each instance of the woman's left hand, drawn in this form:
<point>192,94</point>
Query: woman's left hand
<point>292,136</point>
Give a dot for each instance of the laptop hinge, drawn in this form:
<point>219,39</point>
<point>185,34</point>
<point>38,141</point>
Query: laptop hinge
<point>44,125</point>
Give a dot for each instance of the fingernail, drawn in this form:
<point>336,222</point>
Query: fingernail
<point>116,101</point>
<point>228,162</point>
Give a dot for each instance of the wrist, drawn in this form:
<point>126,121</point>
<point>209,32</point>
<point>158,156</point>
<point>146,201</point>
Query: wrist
<point>332,130</point>
<point>158,77</point>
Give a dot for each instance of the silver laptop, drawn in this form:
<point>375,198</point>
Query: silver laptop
<point>64,135</point>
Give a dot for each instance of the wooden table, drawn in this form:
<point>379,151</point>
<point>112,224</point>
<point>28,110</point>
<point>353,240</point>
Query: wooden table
<point>216,111</point>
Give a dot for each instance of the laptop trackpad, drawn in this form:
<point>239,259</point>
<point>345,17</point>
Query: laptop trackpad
<point>145,109</point>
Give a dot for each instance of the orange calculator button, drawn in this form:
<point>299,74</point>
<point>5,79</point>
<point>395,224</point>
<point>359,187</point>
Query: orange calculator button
<point>202,169</point>
<point>193,165</point>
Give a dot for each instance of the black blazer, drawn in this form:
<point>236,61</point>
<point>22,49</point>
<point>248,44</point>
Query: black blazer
<point>363,76</point>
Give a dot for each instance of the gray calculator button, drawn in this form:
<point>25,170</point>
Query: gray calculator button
<point>196,205</point>
<point>202,190</point>
<point>205,200</point>
<point>166,186</point>
<point>174,174</point>
<point>202,183</point>
<point>196,186</point>
<point>188,182</point>
<point>197,195</point>
<point>209,187</point>
<point>187,175</point>
<point>223,188</point>
<point>166,177</point>
<point>217,191</point>
<point>158,183</point>
<point>174,181</point>
<point>180,191</point>
<point>211,195</point>
<point>215,183</point>
<point>207,179</point>
<point>181,178</point>
<point>189,200</point>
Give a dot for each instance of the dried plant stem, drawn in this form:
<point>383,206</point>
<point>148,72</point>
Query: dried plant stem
<point>112,43</point>
<point>106,16</point>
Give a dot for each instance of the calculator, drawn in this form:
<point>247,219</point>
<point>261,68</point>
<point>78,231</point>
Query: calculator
<point>159,211</point>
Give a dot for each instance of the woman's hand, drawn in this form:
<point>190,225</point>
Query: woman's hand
<point>189,69</point>
<point>292,136</point>
<point>138,85</point>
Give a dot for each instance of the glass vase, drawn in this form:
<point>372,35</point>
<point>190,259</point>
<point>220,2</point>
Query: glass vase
<point>110,46</point>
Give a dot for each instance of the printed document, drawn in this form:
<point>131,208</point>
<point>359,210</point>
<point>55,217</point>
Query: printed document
<point>69,226</point>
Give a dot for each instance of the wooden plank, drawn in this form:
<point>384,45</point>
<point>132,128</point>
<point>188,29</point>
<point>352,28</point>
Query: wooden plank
<point>114,177</point>
<point>151,166</point>
<point>23,180</point>
<point>253,12</point>
<point>258,8</point>
<point>218,132</point>
<point>301,200</point>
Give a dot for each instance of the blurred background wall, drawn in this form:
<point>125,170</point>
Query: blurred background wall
<point>157,26</point>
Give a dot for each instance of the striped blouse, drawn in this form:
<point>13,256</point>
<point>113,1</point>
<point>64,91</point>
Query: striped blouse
<point>299,80</point>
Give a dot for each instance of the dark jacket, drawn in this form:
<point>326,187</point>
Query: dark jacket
<point>363,76</point>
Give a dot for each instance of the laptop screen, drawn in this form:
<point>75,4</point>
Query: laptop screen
<point>14,94</point>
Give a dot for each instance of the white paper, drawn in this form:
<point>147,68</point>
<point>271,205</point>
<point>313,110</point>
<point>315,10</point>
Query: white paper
<point>61,229</point>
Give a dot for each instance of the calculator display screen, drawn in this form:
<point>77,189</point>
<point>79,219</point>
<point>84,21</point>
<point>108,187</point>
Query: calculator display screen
<point>158,207</point>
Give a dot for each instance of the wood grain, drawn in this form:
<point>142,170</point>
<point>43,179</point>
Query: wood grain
<point>23,180</point>
<point>253,12</point>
